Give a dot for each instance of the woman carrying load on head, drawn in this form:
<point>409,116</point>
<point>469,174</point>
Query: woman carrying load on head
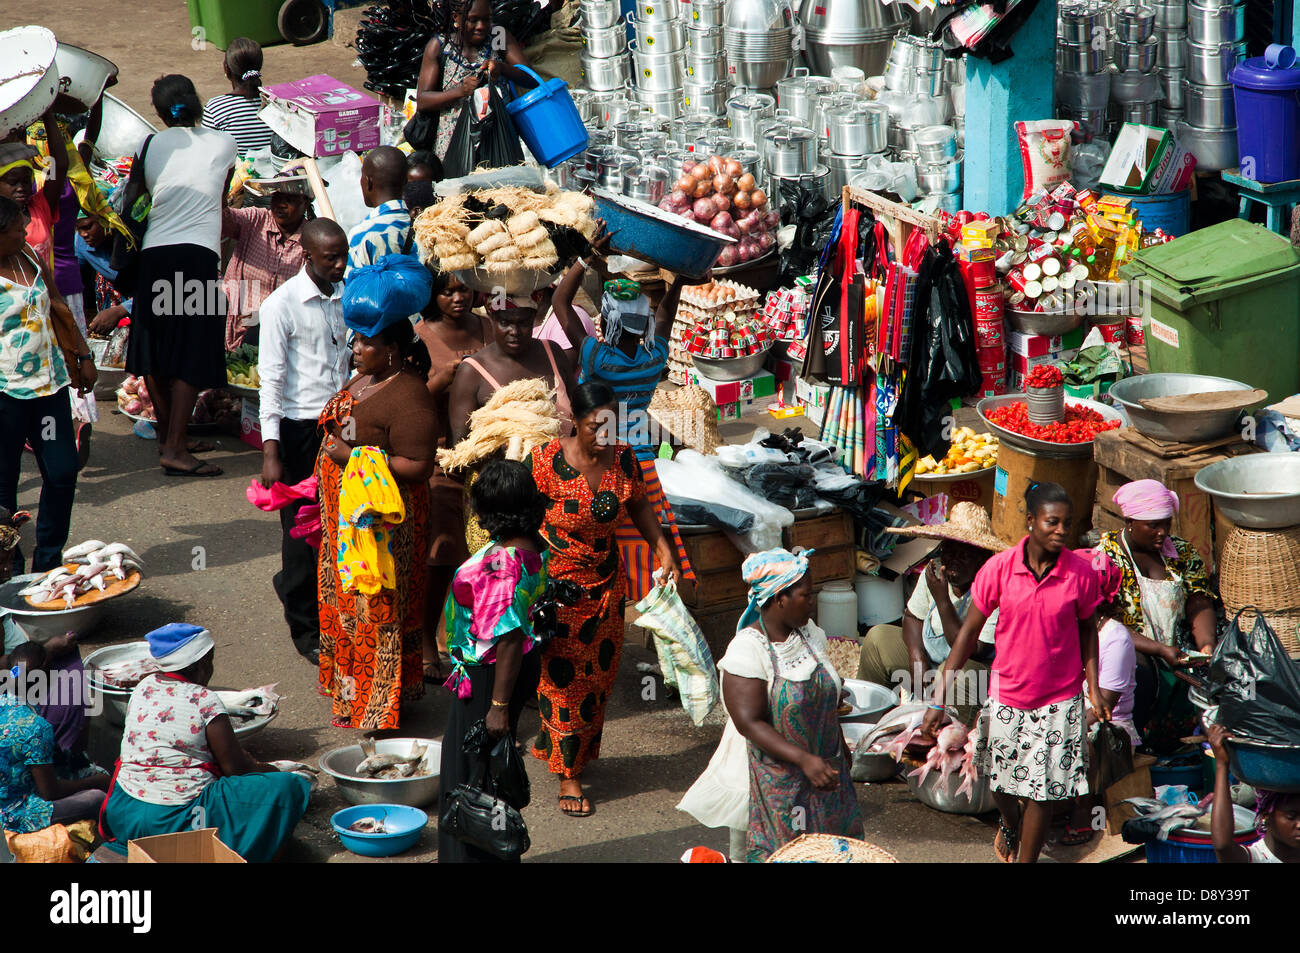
<point>1166,602</point>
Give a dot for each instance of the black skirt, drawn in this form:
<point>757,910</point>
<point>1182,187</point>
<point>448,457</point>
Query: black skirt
<point>178,318</point>
<point>456,766</point>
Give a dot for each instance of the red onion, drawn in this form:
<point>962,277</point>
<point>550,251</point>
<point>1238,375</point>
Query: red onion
<point>720,222</point>
<point>766,241</point>
<point>721,202</point>
<point>705,209</point>
<point>728,257</point>
<point>773,218</point>
<point>679,196</point>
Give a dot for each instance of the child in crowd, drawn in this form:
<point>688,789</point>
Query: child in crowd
<point>1277,817</point>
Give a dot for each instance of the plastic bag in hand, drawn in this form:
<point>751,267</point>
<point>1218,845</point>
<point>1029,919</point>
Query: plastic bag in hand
<point>684,656</point>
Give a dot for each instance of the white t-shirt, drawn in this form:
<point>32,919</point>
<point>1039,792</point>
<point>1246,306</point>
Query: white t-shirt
<point>922,606</point>
<point>797,657</point>
<point>165,741</point>
<point>1260,854</point>
<point>185,171</point>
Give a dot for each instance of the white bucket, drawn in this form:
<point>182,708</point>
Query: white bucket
<point>880,601</point>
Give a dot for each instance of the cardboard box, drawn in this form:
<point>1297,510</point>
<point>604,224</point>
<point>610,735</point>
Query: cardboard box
<point>811,395</point>
<point>331,115</point>
<point>1035,345</point>
<point>1137,784</point>
<point>250,424</point>
<point>1141,158</point>
<point>728,392</point>
<point>187,847</point>
<point>1175,172</point>
<point>1019,364</point>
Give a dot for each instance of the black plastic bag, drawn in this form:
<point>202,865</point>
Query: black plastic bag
<point>492,141</point>
<point>785,484</point>
<point>814,218</point>
<point>477,813</point>
<point>1113,749</point>
<point>1255,684</point>
<point>506,769</point>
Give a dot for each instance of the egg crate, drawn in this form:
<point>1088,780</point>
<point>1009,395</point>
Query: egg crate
<point>702,297</point>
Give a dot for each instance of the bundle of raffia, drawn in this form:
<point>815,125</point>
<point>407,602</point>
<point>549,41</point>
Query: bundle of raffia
<point>689,414</point>
<point>518,418</point>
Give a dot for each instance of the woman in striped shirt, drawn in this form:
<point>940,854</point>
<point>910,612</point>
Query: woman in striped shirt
<point>236,112</point>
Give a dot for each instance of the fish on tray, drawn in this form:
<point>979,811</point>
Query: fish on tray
<point>368,825</point>
<point>947,756</point>
<point>128,674</point>
<point>251,703</point>
<point>388,767</point>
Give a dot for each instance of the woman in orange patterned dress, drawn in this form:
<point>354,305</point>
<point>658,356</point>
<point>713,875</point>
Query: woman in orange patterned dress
<point>591,483</point>
<point>371,661</point>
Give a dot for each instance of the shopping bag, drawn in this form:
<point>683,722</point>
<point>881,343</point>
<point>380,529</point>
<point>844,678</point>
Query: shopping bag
<point>490,141</point>
<point>509,777</point>
<point>1114,751</point>
<point>684,657</point>
<point>1255,684</point>
<point>476,814</point>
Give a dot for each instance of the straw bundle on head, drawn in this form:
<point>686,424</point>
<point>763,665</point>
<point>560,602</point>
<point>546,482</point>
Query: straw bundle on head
<point>519,418</point>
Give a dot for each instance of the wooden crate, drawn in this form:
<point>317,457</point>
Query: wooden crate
<point>1137,784</point>
<point>821,532</point>
<point>1122,457</point>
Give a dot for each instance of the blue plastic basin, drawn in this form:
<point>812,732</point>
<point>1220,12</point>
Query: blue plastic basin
<point>661,238</point>
<point>1272,767</point>
<point>404,826</point>
<point>548,121</point>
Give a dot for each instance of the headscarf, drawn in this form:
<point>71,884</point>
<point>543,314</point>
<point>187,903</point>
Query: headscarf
<point>768,574</point>
<point>379,295</point>
<point>15,154</point>
<point>178,645</point>
<point>1148,500</point>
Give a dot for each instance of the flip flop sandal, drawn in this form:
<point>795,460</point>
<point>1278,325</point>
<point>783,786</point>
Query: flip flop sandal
<point>340,723</point>
<point>1075,836</point>
<point>1004,844</point>
<point>202,470</point>
<point>579,798</point>
<point>432,674</point>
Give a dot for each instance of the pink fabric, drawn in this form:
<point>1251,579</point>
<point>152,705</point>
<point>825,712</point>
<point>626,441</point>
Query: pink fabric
<point>306,525</point>
<point>489,586</point>
<point>1038,659</point>
<point>550,330</point>
<point>1117,672</point>
<point>1108,575</point>
<point>1148,500</point>
<point>279,495</point>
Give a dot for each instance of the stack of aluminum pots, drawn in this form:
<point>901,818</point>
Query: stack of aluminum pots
<point>849,33</point>
<point>1215,44</point>
<point>921,95</point>
<point>1171,24</point>
<point>705,89</point>
<point>603,59</point>
<point>1138,49</point>
<point>759,39</point>
<point>659,56</point>
<point>1082,81</point>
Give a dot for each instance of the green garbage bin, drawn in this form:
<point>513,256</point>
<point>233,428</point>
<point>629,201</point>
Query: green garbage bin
<point>224,20</point>
<point>1224,300</point>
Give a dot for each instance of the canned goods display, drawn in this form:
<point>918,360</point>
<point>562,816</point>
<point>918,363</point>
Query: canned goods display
<point>1133,332</point>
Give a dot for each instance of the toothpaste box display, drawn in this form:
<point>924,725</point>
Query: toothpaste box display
<point>729,392</point>
<point>250,424</point>
<point>332,115</point>
<point>1146,160</point>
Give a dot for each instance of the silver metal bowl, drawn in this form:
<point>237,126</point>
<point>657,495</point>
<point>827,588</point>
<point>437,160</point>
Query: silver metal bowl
<point>41,625</point>
<point>123,130</point>
<point>1045,448</point>
<point>941,794</point>
<point>518,282</point>
<point>340,764</point>
<point>1255,491</point>
<point>1050,323</point>
<point>731,368</point>
<point>1179,428</point>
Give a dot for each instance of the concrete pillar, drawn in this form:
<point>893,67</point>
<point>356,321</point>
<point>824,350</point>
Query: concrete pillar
<point>999,95</point>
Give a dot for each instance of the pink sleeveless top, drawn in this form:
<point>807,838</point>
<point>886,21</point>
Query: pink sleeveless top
<point>563,409</point>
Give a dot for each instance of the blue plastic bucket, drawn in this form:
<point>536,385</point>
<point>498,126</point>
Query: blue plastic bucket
<point>1268,120</point>
<point>1180,849</point>
<point>548,121</point>
<point>1171,213</point>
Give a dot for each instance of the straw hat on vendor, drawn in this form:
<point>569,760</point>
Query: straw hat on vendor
<point>937,606</point>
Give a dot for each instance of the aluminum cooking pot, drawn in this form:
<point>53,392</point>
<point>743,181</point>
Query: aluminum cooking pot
<point>657,72</point>
<point>598,14</point>
<point>1083,57</point>
<point>1212,25</point>
<point>939,177</point>
<point>857,130</point>
<point>745,109</point>
<point>605,42</point>
<point>601,75</point>
<point>706,98</point>
<point>1140,57</point>
<point>706,13</point>
<point>1172,49</point>
<point>1210,65</point>
<point>1171,14</point>
<point>791,151</point>
<point>1135,23</point>
<point>1173,96</point>
<point>705,43</point>
<point>936,144</point>
<point>658,10</point>
<point>659,36</point>
<point>1215,149</point>
<point>706,69</point>
<point>1210,107</point>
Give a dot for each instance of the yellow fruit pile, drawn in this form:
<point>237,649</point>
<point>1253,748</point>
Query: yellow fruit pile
<point>970,451</point>
<point>251,379</point>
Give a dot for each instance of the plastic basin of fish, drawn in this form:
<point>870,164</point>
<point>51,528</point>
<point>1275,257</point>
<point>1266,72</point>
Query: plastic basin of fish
<point>1272,767</point>
<point>870,701</point>
<point>403,822</point>
<point>941,794</point>
<point>341,765</point>
<point>649,233</point>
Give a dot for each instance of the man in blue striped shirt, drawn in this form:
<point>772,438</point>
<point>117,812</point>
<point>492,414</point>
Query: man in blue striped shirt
<point>387,229</point>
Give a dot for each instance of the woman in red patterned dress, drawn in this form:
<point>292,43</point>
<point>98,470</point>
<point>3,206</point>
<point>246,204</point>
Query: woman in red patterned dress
<point>592,483</point>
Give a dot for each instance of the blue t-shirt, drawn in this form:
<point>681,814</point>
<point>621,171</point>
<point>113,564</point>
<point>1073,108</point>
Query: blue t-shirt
<point>633,381</point>
<point>101,261</point>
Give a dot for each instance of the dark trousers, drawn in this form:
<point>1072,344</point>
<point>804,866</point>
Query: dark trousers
<point>295,583</point>
<point>45,423</point>
<point>456,763</point>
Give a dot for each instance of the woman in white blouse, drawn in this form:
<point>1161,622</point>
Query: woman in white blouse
<point>782,696</point>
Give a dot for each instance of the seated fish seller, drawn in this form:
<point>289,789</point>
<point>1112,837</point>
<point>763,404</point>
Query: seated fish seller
<point>182,768</point>
<point>935,611</point>
<point>32,795</point>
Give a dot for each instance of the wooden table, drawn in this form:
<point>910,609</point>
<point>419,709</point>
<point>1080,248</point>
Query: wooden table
<point>1125,455</point>
<point>1276,197</point>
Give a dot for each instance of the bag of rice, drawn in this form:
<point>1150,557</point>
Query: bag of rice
<point>1045,152</point>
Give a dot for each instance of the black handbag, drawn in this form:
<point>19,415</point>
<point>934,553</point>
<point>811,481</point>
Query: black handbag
<point>475,815</point>
<point>124,257</point>
<point>421,130</point>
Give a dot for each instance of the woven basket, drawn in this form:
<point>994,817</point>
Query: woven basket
<point>830,849</point>
<point>1262,569</point>
<point>690,414</point>
<point>1285,623</point>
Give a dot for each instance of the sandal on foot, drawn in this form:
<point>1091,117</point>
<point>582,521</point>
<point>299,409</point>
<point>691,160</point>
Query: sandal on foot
<point>340,722</point>
<point>579,798</point>
<point>1004,844</point>
<point>1075,836</point>
<point>201,470</point>
<point>433,674</point>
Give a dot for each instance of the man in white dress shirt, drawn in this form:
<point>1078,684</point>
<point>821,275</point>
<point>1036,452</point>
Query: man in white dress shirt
<point>303,362</point>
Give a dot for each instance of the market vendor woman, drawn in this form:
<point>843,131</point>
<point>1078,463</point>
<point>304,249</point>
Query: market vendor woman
<point>1163,589</point>
<point>181,766</point>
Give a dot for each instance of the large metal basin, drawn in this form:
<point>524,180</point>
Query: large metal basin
<point>123,130</point>
<point>41,625</point>
<point>1043,447</point>
<point>730,368</point>
<point>341,763</point>
<point>1049,323</point>
<point>941,794</point>
<point>1179,428</point>
<point>1255,491</point>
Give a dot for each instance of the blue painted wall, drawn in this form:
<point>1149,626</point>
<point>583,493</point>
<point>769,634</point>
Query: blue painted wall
<point>997,96</point>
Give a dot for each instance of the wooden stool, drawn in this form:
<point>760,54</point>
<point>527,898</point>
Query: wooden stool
<point>1276,197</point>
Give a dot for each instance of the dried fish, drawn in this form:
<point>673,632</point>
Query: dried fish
<point>374,763</point>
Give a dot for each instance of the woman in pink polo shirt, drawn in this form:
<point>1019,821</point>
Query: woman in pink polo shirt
<point>1030,734</point>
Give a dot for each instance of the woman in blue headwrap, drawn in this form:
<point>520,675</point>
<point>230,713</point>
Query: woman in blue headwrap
<point>182,768</point>
<point>782,695</point>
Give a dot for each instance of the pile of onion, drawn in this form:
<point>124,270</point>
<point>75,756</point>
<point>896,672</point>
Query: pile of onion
<point>719,194</point>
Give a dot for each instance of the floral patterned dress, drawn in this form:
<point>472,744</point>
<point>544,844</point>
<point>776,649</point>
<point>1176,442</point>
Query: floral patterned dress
<point>26,739</point>
<point>580,663</point>
<point>457,64</point>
